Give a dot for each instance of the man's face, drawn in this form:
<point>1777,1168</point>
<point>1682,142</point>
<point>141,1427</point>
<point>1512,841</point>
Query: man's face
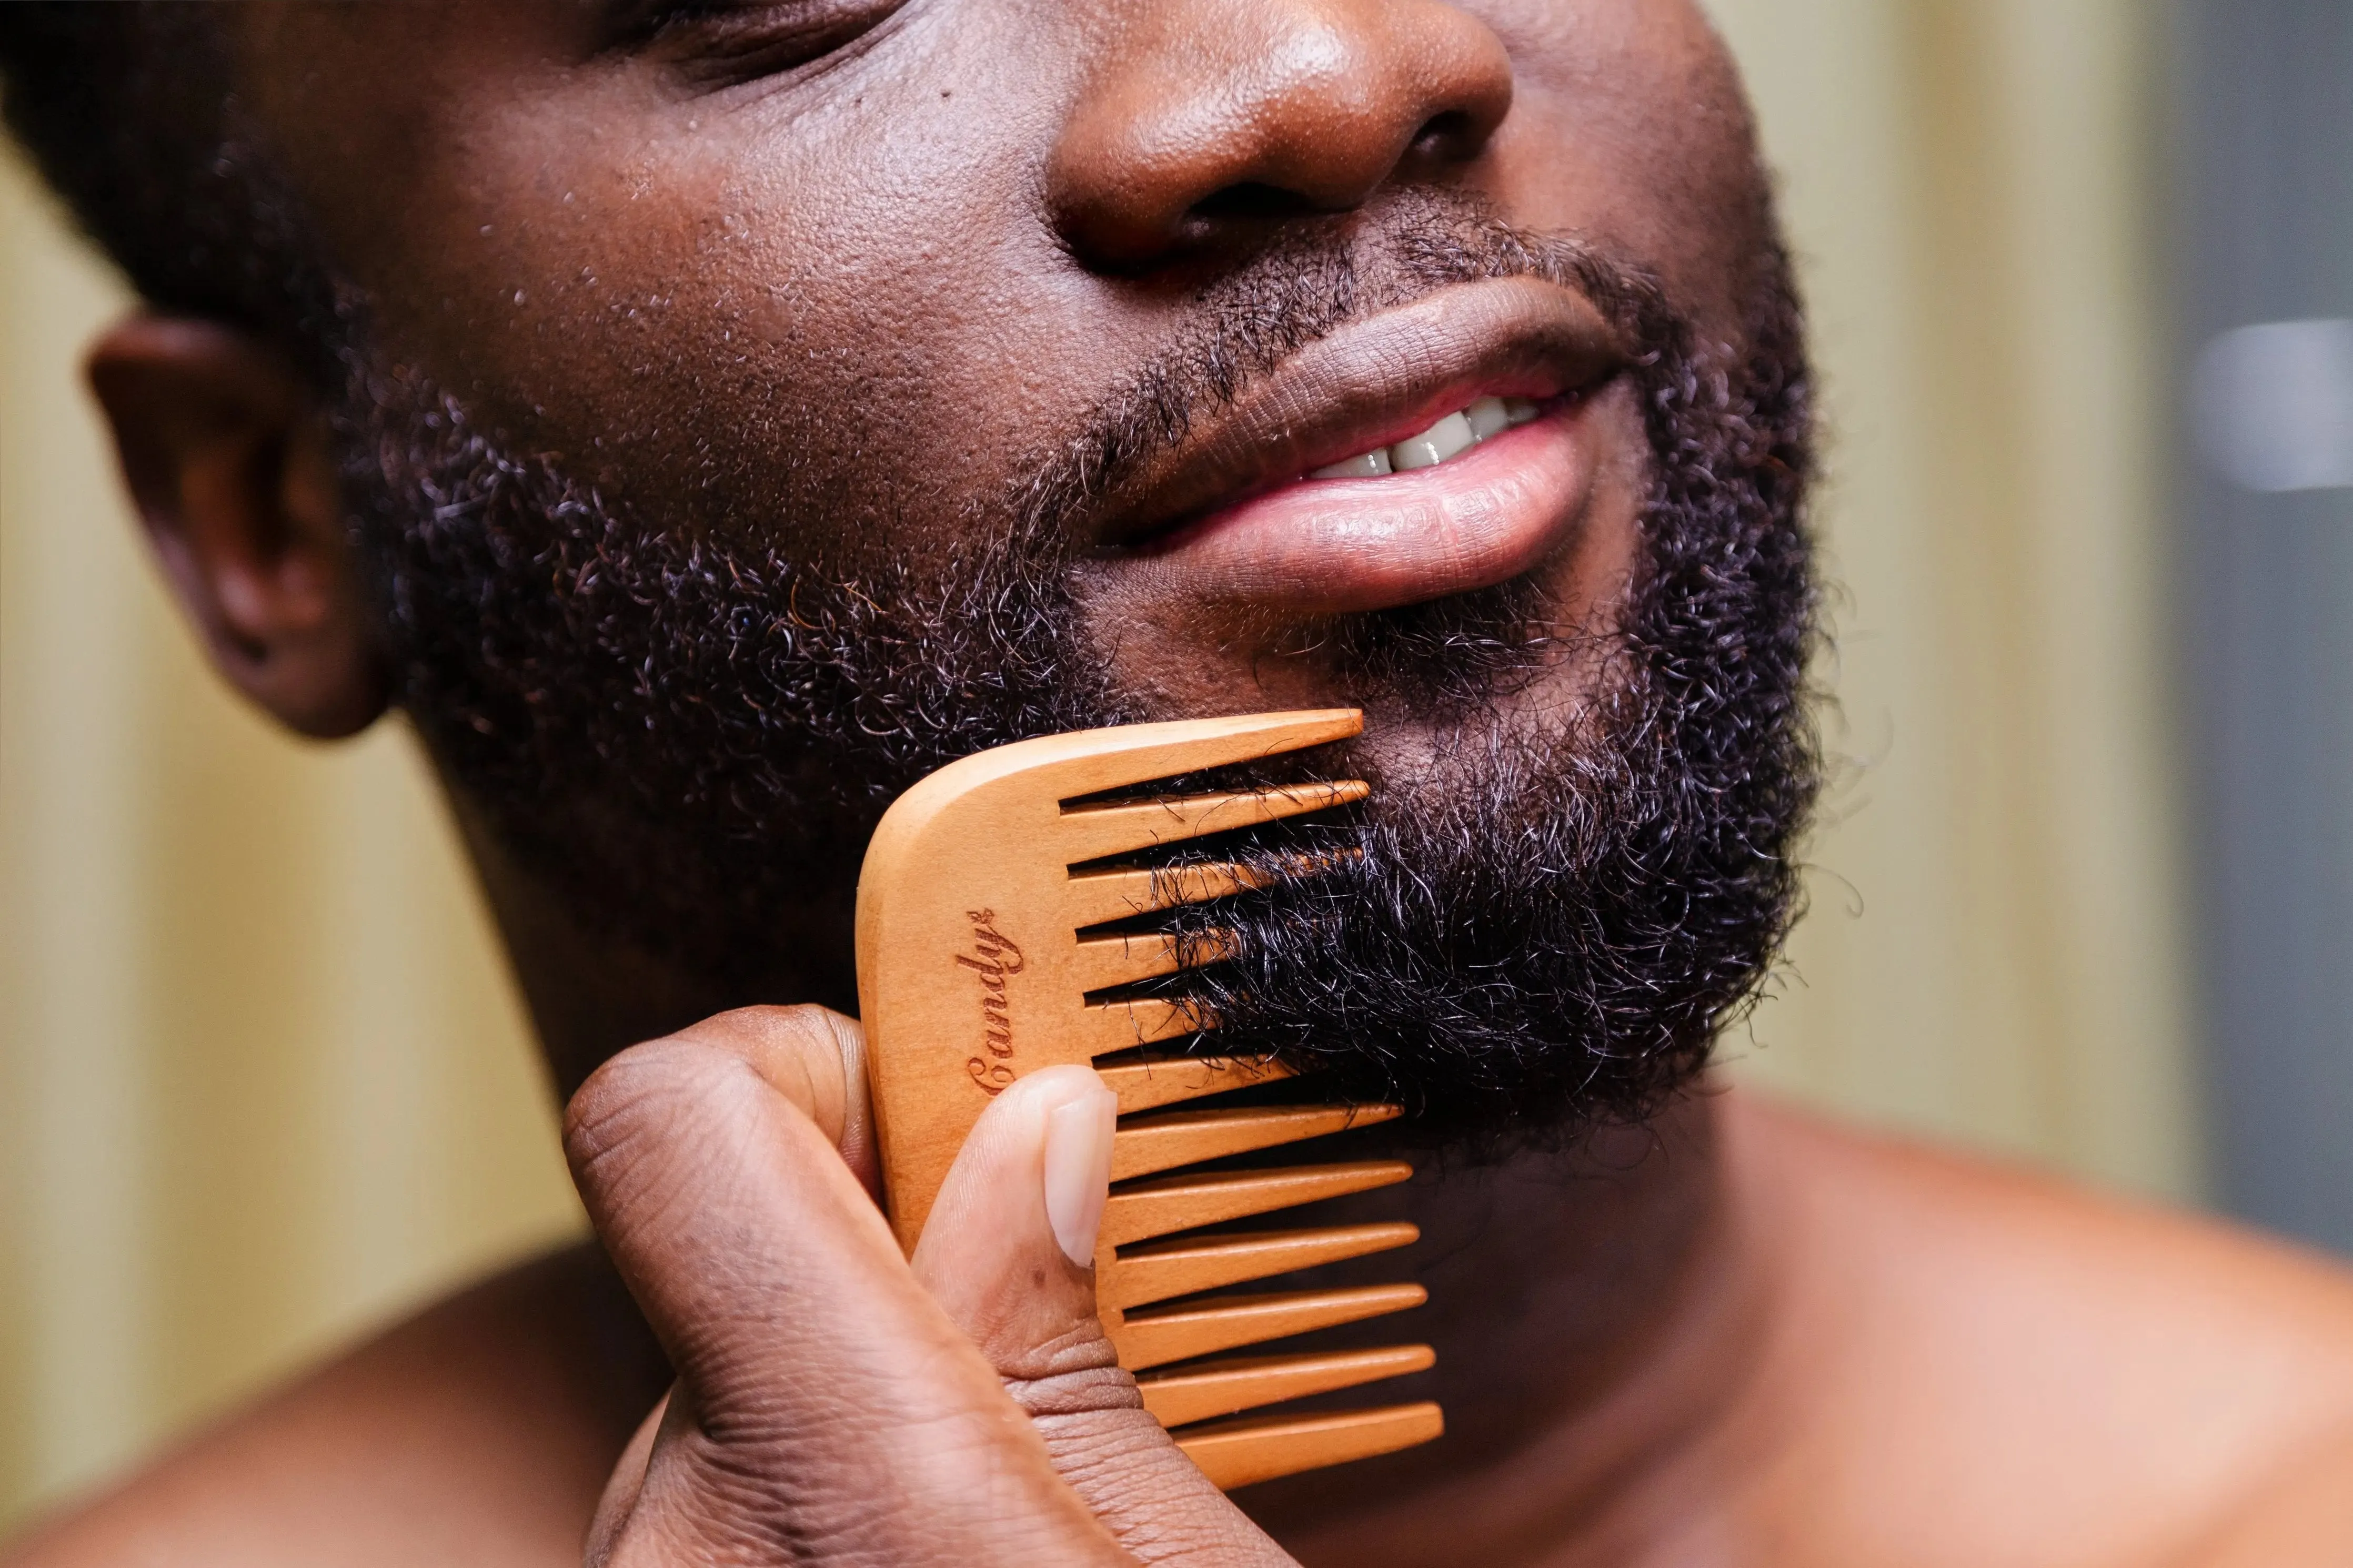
<point>859,266</point>
<point>956,368</point>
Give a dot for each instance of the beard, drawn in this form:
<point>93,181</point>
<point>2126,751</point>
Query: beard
<point>1542,922</point>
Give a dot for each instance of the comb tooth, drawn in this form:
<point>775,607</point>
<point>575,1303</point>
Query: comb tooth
<point>1101,1028</point>
<point>1138,754</point>
<point>1169,1269</point>
<point>1184,1333</point>
<point>1095,897</point>
<point>1190,1137</point>
<point>1229,1387</point>
<point>1119,828</point>
<point>1146,1085</point>
<point>1171,1203</point>
<point>1107,961</point>
<point>1260,1448</point>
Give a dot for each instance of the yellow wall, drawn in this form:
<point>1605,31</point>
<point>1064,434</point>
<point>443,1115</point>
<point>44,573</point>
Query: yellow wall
<point>1996,949</point>
<point>262,1079</point>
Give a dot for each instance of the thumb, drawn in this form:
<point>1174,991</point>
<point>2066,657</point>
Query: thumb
<point>1008,1252</point>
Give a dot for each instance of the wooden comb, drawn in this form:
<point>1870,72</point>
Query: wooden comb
<point>975,962</point>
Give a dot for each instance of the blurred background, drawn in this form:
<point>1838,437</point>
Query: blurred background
<point>2079,272</point>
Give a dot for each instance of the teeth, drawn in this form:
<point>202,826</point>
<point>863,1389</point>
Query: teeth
<point>1487,415</point>
<point>1435,445</point>
<point>1451,437</point>
<point>1363,466</point>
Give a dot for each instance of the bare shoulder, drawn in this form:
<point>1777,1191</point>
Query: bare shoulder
<point>479,1431</point>
<point>2118,1381</point>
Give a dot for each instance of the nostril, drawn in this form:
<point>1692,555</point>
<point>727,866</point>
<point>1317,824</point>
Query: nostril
<point>1453,135</point>
<point>1249,199</point>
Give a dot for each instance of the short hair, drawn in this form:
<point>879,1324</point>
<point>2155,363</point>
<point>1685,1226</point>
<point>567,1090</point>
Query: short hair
<point>129,111</point>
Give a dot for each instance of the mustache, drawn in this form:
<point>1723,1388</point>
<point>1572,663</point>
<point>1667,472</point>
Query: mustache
<point>1306,285</point>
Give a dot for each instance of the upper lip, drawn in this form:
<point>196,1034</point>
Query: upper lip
<point>1373,380</point>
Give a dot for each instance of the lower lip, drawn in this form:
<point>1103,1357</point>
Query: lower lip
<point>1337,546</point>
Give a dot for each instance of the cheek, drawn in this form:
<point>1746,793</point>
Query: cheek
<point>1590,577</point>
<point>824,322</point>
<point>1629,127</point>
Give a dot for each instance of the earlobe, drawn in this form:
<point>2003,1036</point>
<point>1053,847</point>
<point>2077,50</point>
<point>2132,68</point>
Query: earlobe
<point>234,478</point>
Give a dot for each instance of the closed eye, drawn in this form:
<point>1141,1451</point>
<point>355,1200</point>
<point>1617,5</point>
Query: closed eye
<point>720,43</point>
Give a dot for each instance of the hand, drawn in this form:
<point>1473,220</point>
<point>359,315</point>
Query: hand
<point>836,1404</point>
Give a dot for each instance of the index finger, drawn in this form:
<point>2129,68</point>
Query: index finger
<point>815,1058</point>
<point>823,1396</point>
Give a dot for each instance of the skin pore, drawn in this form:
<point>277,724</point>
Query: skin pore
<point>855,273</point>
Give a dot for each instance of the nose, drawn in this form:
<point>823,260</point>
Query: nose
<point>1206,116</point>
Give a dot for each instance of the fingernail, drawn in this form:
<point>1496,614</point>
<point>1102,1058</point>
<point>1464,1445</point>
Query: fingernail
<point>1078,1171</point>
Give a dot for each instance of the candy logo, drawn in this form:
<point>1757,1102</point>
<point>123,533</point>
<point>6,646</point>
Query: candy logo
<point>993,957</point>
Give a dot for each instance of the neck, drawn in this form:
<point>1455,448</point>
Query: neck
<point>592,994</point>
<point>1593,1313</point>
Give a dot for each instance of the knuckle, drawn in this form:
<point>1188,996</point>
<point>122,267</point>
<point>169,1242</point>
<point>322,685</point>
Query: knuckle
<point>1040,1336</point>
<point>746,1030</point>
<point>662,1095</point>
<point>650,1081</point>
<point>1074,1373</point>
<point>1099,1392</point>
<point>800,1051</point>
<point>1090,1412</point>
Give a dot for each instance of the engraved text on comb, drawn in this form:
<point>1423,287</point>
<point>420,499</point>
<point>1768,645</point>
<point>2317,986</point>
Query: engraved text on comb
<point>994,958</point>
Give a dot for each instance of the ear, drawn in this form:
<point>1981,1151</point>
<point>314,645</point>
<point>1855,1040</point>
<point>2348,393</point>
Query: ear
<point>229,465</point>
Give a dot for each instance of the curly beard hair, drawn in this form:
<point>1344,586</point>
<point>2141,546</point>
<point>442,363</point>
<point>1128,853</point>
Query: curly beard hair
<point>685,736</point>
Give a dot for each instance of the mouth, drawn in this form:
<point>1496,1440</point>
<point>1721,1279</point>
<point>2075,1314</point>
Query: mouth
<point>1434,448</point>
